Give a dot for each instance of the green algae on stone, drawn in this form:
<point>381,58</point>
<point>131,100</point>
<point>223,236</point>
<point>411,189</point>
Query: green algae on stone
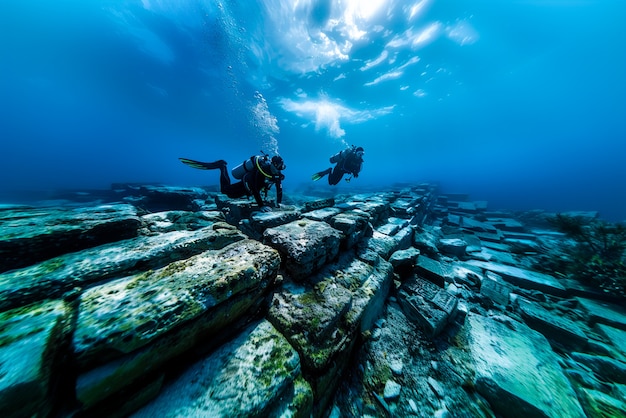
<point>126,314</point>
<point>30,340</point>
<point>53,277</point>
<point>249,376</point>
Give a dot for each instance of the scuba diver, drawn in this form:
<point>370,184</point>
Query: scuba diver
<point>256,174</point>
<point>348,161</point>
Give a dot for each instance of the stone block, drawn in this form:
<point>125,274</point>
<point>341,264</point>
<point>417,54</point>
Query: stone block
<point>428,305</point>
<point>305,245</point>
<point>256,374</point>
<point>495,290</point>
<point>127,314</point>
<point>80,269</point>
<point>30,340</point>
<point>31,235</point>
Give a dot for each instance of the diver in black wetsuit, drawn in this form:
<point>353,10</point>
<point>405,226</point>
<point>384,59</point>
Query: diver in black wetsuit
<point>257,174</point>
<point>349,161</point>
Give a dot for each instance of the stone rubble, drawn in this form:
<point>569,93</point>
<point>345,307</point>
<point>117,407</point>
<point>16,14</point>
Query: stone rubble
<point>171,301</point>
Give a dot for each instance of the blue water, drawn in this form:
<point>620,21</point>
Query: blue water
<point>520,103</point>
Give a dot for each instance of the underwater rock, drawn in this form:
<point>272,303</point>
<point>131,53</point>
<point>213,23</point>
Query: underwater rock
<point>353,224</point>
<point>32,342</point>
<point>523,278</point>
<point>375,206</point>
<point>433,270</point>
<point>615,336</point>
<point>347,296</point>
<point>185,309</point>
<point>611,370</point>
<point>392,226</point>
<point>80,269</point>
<point>404,258</point>
<point>495,289</point>
<point>604,313</point>
<point>256,374</point>
<point>158,198</point>
<point>600,404</point>
<point>425,239</point>
<point>314,205</point>
<point>454,247</point>
<point>323,214</point>
<point>428,305</point>
<point>235,210</point>
<point>36,234</point>
<point>130,327</point>
<point>178,220</point>
<point>126,314</point>
<point>260,221</point>
<point>554,327</point>
<point>516,370</point>
<point>305,245</point>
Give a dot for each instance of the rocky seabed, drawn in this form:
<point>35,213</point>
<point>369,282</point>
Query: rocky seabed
<point>178,302</point>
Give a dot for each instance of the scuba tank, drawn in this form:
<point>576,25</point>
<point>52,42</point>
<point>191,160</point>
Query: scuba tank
<point>243,168</point>
<point>261,162</point>
<point>335,158</point>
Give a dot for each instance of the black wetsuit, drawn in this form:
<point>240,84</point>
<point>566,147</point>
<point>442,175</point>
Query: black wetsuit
<point>349,163</point>
<point>252,184</point>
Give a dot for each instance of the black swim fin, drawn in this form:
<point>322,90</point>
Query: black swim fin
<point>317,176</point>
<point>202,166</point>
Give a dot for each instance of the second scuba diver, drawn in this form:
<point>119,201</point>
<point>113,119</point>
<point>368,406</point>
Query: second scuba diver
<point>349,161</point>
<point>256,174</point>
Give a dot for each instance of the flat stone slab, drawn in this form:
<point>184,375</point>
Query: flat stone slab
<point>506,224</point>
<point>489,236</point>
<point>517,371</point>
<point>494,256</point>
<point>321,214</point>
<point>129,313</point>
<point>312,205</point>
<point>525,279</point>
<point>305,245</point>
<point>553,327</point>
<point>32,235</point>
<point>604,313</point>
<point>454,247</point>
<point>616,336</point>
<point>260,221</point>
<point>180,220</point>
<point>496,290</point>
<point>54,277</point>
<point>256,374</point>
<point>392,226</point>
<point>30,338</point>
<point>433,270</point>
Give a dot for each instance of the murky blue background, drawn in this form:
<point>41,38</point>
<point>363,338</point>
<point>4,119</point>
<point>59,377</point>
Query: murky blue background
<point>521,103</point>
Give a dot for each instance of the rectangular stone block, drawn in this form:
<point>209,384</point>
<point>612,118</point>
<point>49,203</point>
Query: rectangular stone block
<point>496,291</point>
<point>305,245</point>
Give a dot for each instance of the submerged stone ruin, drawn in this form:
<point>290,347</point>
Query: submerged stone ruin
<point>164,301</point>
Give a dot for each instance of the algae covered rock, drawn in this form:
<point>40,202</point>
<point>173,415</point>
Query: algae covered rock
<point>31,341</point>
<point>306,245</point>
<point>256,374</point>
<point>53,277</point>
<point>126,314</point>
<point>517,372</point>
<point>31,235</point>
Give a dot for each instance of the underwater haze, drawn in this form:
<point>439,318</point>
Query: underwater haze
<point>521,103</point>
